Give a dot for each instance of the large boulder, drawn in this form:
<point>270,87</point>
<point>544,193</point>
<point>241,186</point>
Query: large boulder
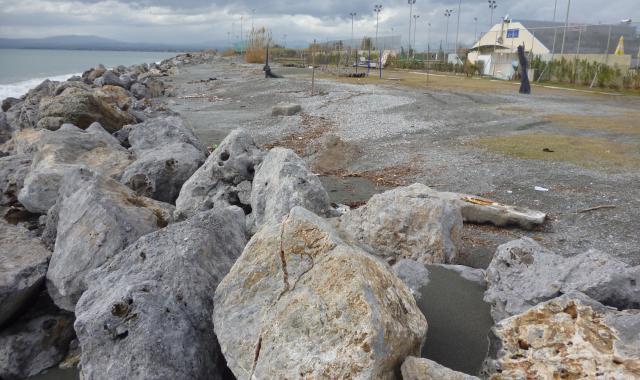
<point>301,303</point>
<point>406,223</point>
<point>81,108</point>
<point>424,369</point>
<point>147,313</point>
<point>13,170</point>
<point>25,114</point>
<point>282,182</point>
<point>414,274</point>
<point>139,90</point>
<point>115,95</point>
<point>92,74</point>
<point>23,266</point>
<point>6,129</point>
<point>523,274</point>
<point>97,218</point>
<point>57,152</point>
<point>569,337</point>
<point>224,179</point>
<point>37,341</point>
<point>167,154</point>
<point>109,78</point>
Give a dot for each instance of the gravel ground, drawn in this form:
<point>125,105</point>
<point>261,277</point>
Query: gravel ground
<point>432,131</point>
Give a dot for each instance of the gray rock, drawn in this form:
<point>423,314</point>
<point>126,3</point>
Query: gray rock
<point>302,303</point>
<point>6,130</point>
<point>23,265</point>
<point>27,113</point>
<point>167,154</point>
<point>109,78</point>
<point>37,341</point>
<point>9,102</point>
<point>60,88</point>
<point>468,273</point>
<point>57,152</point>
<point>155,87</point>
<point>90,75</point>
<point>285,109</point>
<point>571,336</point>
<point>219,182</point>
<point>406,222</point>
<point>523,274</point>
<point>82,109</point>
<point>282,182</point>
<point>13,170</point>
<point>414,274</point>
<point>126,81</point>
<point>139,90</point>
<point>50,231</point>
<point>97,218</point>
<point>147,313</point>
<point>424,369</point>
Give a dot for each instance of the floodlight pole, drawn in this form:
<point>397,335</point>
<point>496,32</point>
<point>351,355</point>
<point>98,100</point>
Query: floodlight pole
<point>566,25</point>
<point>411,2</point>
<point>458,27</point>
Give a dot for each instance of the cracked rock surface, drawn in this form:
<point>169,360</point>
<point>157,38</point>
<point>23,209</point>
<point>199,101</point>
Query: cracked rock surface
<point>147,313</point>
<point>300,302</point>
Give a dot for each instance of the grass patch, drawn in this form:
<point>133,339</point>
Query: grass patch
<point>626,123</point>
<point>588,152</point>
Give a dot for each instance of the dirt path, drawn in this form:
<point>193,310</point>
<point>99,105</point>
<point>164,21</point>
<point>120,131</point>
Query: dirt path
<point>458,134</point>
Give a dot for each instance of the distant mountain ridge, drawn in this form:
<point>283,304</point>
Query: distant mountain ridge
<point>76,42</point>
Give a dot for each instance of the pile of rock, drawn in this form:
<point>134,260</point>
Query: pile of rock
<point>165,261</point>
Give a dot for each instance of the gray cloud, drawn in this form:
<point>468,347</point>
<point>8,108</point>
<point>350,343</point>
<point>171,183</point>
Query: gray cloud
<point>199,20</point>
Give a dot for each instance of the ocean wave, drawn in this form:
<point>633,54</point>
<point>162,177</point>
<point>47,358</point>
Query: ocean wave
<point>18,89</point>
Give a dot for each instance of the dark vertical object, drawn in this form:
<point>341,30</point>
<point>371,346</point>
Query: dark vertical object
<point>380,63</point>
<point>356,60</point>
<point>369,60</point>
<point>267,68</point>
<point>525,87</point>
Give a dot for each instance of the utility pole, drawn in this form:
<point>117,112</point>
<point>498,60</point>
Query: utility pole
<point>428,40</point>
<point>458,26</point>
<point>411,2</point>
<point>566,25</point>
<point>415,27</point>
<point>555,30</point>
<point>447,14</point>
<point>377,9</point>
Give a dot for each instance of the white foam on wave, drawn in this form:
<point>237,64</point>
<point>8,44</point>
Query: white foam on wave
<point>18,89</point>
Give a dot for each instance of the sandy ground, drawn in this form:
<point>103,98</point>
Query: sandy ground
<point>455,134</point>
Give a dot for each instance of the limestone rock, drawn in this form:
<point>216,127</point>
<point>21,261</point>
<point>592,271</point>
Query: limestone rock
<point>424,369</point>
<point>109,78</point>
<point>147,313</point>
<point>57,152</point>
<point>26,113</point>
<point>471,274</point>
<point>13,170</point>
<point>90,75</point>
<point>523,274</point>
<point>283,182</point>
<point>167,154</point>
<point>115,95</point>
<point>97,218</point>
<point>406,223</point>
<point>286,109</point>
<point>219,182</point>
<point>569,337</point>
<point>301,303</point>
<point>9,102</point>
<point>81,108</point>
<point>23,265</point>
<point>6,129</point>
<point>38,341</point>
<point>139,90</point>
<point>155,87</point>
<point>414,274</point>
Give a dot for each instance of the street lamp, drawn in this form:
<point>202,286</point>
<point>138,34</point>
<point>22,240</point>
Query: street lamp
<point>566,25</point>
<point>458,26</point>
<point>428,40</point>
<point>447,14</point>
<point>415,27</point>
<point>377,9</point>
<point>411,2</point>
<point>492,6</point>
<point>352,14</point>
<point>475,29</point>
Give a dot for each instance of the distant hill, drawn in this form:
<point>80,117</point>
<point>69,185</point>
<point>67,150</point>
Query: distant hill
<point>95,43</point>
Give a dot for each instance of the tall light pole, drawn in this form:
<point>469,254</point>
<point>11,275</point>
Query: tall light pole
<point>377,9</point>
<point>566,25</point>
<point>241,36</point>
<point>475,29</point>
<point>492,6</point>
<point>415,27</point>
<point>428,40</point>
<point>555,30</point>
<point>352,14</point>
<point>411,2</point>
<point>447,14</point>
<point>458,26</point>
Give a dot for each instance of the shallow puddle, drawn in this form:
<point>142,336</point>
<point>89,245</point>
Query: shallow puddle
<point>459,321</point>
<point>347,190</point>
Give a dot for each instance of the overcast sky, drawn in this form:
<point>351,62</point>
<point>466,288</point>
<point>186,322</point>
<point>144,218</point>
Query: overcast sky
<point>178,21</point>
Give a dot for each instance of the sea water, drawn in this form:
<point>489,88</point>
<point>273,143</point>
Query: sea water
<point>23,69</point>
